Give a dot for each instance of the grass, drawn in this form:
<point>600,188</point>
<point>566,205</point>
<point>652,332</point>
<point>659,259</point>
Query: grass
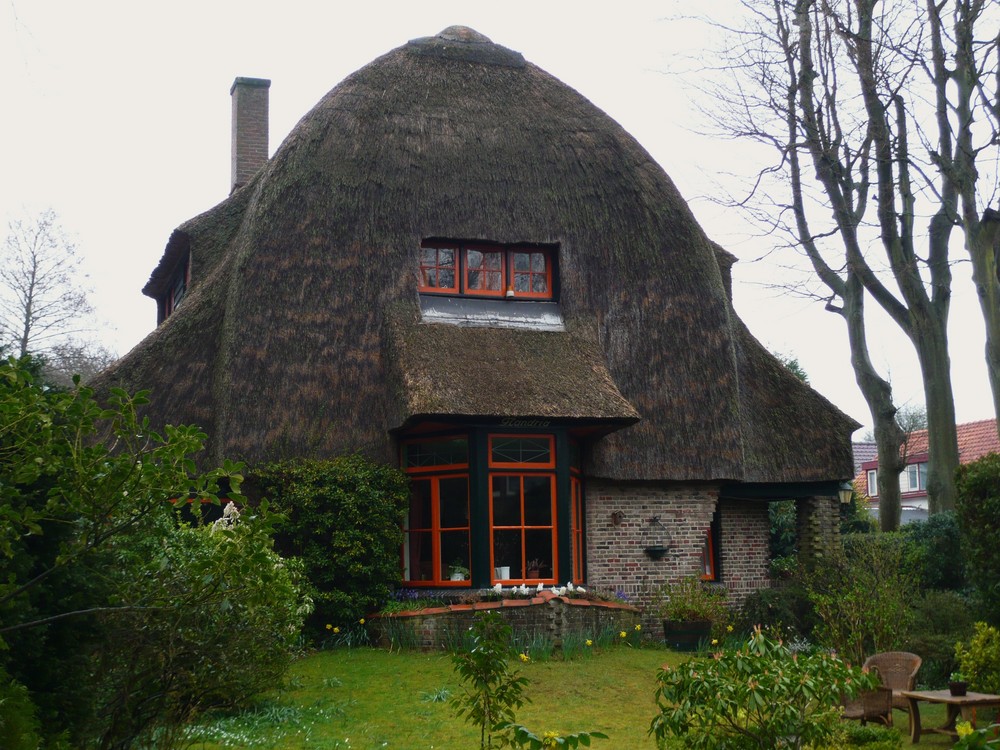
<point>363,698</point>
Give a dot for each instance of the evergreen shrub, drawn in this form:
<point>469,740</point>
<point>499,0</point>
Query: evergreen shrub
<point>977,506</point>
<point>343,519</point>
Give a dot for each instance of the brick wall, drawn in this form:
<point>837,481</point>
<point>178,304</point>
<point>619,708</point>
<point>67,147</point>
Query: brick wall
<point>744,549</point>
<point>619,528</point>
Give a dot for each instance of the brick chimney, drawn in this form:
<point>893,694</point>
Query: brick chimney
<point>249,128</point>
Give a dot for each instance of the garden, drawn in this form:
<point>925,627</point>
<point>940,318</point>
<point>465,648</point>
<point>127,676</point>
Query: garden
<point>210,622</point>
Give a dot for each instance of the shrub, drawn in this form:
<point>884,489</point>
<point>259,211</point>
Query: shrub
<point>862,596</point>
<point>979,661</point>
<point>935,552</point>
<point>18,720</point>
<point>759,695</point>
<point>786,609</point>
<point>940,618</point>
<point>977,506</point>
<point>342,518</point>
<point>212,616</point>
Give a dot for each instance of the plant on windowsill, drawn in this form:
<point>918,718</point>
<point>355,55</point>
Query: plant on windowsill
<point>533,568</point>
<point>458,571</point>
<point>690,609</point>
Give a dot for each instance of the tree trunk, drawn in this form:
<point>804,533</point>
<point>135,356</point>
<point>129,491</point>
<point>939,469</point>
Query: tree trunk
<point>877,393</point>
<point>931,344</point>
<point>984,247</point>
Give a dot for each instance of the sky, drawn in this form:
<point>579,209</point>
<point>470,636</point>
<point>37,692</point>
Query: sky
<point>117,116</point>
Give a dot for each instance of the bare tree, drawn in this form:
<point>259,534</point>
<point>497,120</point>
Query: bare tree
<point>841,90</point>
<point>43,300</point>
<point>75,357</point>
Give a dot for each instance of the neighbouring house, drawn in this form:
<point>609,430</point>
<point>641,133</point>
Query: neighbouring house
<point>458,264</point>
<point>975,440</point>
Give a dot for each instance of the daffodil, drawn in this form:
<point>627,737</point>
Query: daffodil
<point>729,628</point>
<point>623,634</point>
<point>329,626</point>
<point>638,628</point>
<point>525,658</point>
<point>336,630</point>
<point>590,642</point>
<point>715,641</point>
<point>963,728</point>
<point>361,621</point>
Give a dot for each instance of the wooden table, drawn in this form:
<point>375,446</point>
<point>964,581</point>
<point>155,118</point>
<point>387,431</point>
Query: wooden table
<point>965,705</point>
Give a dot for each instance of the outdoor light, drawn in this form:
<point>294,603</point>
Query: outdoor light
<point>845,491</point>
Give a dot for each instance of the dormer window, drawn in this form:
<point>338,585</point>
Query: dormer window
<point>476,269</point>
<point>177,288</point>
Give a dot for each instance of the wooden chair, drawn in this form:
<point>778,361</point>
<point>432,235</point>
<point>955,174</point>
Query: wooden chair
<point>897,670</point>
<point>870,705</point>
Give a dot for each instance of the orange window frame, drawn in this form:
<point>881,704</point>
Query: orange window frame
<point>530,273</point>
<point>437,266</point>
<point>460,267</point>
<point>708,568</point>
<point>485,270</point>
<point>552,527</point>
<point>550,464</point>
<point>434,467</point>
<point>435,530</point>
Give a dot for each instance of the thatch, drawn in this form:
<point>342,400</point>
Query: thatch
<point>301,336</point>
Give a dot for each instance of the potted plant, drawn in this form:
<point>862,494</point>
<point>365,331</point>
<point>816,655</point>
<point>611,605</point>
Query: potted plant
<point>957,684</point>
<point>458,570</point>
<point>689,608</point>
<point>533,568</point>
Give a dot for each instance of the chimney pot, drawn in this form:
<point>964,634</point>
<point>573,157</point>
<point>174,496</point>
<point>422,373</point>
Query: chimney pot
<point>250,122</point>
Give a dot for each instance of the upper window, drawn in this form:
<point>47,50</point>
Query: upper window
<point>872,483</point>
<point>482,270</point>
<point>916,478</point>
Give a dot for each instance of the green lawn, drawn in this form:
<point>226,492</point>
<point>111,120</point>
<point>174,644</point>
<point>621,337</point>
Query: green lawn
<point>358,699</point>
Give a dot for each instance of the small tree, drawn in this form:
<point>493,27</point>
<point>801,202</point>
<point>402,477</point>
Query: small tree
<point>978,511</point>
<point>491,689</point>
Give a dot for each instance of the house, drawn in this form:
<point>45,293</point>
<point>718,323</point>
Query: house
<point>975,440</point>
<point>458,264</point>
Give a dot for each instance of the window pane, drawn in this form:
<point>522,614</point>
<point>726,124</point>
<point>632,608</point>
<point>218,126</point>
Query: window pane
<point>522,282</point>
<point>418,553</point>
<point>521,450</point>
<point>507,551</point>
<point>446,278</point>
<point>447,452</point>
<point>484,270</point>
<point>437,268</point>
<point>454,554</point>
<point>420,505</point>
<point>538,262</point>
<point>537,501</point>
<point>538,551</point>
<point>522,261</point>
<point>506,501</point>
<point>454,500</point>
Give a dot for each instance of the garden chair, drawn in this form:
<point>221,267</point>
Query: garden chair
<point>896,670</point>
<point>870,705</point>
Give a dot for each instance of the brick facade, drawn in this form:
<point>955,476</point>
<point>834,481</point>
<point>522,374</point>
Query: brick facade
<point>817,527</point>
<point>620,526</point>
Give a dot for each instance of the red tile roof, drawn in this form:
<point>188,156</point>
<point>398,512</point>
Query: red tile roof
<point>975,440</point>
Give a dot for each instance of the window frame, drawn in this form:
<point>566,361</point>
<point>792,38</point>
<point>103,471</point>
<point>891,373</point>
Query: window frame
<point>872,475</point>
<point>524,527</point>
<point>710,562</point>
<point>508,273</point>
<point>438,564</point>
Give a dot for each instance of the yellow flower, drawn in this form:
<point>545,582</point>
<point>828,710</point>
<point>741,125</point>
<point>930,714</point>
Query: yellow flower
<point>623,634</point>
<point>638,628</point>
<point>729,628</point>
<point>336,630</point>
<point>525,658</point>
<point>590,642</point>
<point>361,621</point>
<point>329,626</point>
<point>963,728</point>
<point>715,641</point>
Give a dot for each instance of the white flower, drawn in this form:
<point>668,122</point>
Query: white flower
<point>523,590</point>
<point>498,588</point>
<point>569,585</point>
<point>581,590</point>
<point>562,591</point>
<point>541,588</point>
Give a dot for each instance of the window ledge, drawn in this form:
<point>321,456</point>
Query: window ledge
<point>536,315</point>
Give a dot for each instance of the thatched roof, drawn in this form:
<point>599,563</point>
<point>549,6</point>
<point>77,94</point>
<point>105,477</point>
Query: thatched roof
<point>301,333</point>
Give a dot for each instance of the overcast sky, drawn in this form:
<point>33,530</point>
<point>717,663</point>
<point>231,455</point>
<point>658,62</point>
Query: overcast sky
<point>117,116</point>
